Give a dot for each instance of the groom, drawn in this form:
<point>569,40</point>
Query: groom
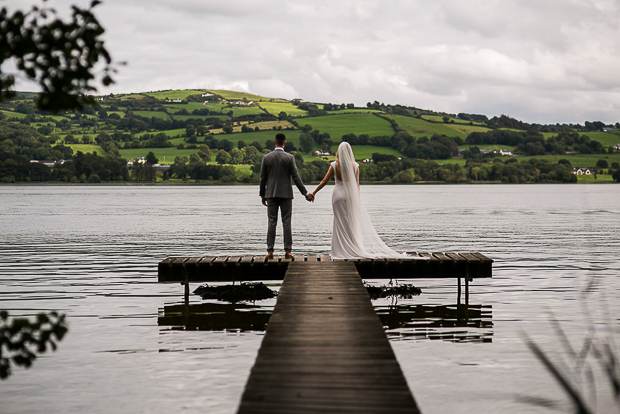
<point>276,193</point>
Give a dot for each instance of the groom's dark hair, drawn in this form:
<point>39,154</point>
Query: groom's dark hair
<point>280,139</point>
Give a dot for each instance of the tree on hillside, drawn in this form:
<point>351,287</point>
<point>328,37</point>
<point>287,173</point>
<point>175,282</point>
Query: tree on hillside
<point>59,56</point>
<point>151,158</point>
<point>223,157</point>
<point>306,143</point>
<point>204,152</point>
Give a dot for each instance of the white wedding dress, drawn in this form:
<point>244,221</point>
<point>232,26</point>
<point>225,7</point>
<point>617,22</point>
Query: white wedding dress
<point>354,236</point>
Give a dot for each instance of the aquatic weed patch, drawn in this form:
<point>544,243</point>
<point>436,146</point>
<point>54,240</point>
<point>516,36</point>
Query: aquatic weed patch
<point>404,291</point>
<point>236,293</point>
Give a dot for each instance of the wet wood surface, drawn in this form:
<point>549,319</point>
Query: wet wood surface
<point>252,268</point>
<point>325,350</point>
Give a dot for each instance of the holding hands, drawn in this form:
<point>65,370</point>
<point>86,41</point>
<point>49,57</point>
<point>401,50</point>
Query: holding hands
<point>310,197</point>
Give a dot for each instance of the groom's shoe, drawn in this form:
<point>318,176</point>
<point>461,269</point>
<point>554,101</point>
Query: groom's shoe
<point>288,255</point>
<point>269,256</point>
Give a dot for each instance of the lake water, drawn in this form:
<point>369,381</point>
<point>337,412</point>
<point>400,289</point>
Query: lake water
<point>91,252</point>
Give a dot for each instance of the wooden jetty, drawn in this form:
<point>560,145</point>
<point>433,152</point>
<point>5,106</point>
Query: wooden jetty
<point>186,270</point>
<point>325,350</point>
<point>250,268</point>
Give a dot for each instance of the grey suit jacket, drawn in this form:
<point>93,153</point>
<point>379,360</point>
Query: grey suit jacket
<point>276,172</point>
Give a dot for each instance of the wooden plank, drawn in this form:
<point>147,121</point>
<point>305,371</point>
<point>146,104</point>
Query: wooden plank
<point>167,261</point>
<point>233,260</point>
<point>325,258</point>
<point>246,260</point>
<point>442,257</point>
<point>470,257</point>
<point>429,255</point>
<point>259,259</point>
<point>207,260</point>
<point>180,260</point>
<point>325,349</point>
<point>456,257</point>
<point>483,257</point>
<point>220,260</point>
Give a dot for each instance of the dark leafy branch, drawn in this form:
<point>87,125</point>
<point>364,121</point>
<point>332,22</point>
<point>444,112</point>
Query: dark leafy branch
<point>59,56</point>
<point>21,339</point>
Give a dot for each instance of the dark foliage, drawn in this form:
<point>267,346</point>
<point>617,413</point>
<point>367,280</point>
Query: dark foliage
<point>401,291</point>
<point>236,293</point>
<point>21,339</point>
<point>60,56</point>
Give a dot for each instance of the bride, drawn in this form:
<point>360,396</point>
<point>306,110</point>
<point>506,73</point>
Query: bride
<point>354,236</point>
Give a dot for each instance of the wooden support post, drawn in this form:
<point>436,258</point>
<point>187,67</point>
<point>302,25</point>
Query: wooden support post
<point>467,279</point>
<point>466,291</point>
<point>186,283</point>
<point>458,292</point>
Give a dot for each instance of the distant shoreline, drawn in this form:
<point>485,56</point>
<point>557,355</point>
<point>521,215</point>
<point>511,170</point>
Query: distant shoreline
<point>129,184</point>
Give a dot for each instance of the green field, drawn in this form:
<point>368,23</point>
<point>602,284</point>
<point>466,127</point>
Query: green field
<point>165,155</point>
<point>260,137</point>
<point>580,160</point>
<point>589,179</point>
<point>243,110</point>
<point>362,152</point>
<point>129,96</point>
<point>189,107</point>
<point>339,125</point>
<point>605,138</point>
<point>490,147</point>
<point>439,118</point>
<point>202,117</point>
<point>238,96</point>
<point>275,108</point>
<point>11,114</point>
<point>354,111</point>
<point>467,129</point>
<point>151,114</point>
<point>169,132</point>
<point>87,148</point>
<point>457,161</point>
<point>57,117</point>
<point>419,127</point>
<point>175,94</point>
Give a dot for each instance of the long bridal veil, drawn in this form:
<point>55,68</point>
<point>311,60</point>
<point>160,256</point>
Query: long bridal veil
<point>363,235</point>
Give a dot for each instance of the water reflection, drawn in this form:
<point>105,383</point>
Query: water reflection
<point>215,317</point>
<point>452,323</point>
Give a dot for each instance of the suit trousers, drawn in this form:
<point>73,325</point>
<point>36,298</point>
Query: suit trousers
<point>285,205</point>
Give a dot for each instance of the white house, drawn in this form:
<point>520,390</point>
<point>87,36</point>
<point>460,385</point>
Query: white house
<point>321,153</point>
<point>48,163</point>
<point>582,171</point>
<point>241,103</point>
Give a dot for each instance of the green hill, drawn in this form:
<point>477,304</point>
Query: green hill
<point>131,125</point>
<point>339,125</point>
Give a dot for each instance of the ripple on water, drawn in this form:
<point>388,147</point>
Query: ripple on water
<point>133,346</point>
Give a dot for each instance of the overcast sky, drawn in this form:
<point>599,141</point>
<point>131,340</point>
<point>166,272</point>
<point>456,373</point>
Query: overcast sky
<point>542,61</point>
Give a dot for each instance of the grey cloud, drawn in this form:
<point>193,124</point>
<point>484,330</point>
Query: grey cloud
<point>540,61</point>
